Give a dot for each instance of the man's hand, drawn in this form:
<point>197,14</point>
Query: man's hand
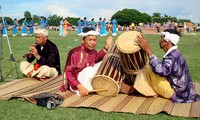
<point>108,42</point>
<point>82,90</point>
<point>34,51</point>
<point>143,43</point>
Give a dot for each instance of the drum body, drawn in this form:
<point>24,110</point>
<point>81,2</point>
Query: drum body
<point>133,58</point>
<point>132,63</point>
<point>109,74</point>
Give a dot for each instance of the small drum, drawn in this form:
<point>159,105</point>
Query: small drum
<point>133,58</point>
<point>109,74</point>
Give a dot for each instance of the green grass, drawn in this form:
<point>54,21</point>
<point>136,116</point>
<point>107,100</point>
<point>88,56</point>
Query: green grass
<point>18,109</point>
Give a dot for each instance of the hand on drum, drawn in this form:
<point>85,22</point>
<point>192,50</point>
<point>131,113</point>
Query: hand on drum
<point>143,43</point>
<point>108,42</point>
<point>82,90</point>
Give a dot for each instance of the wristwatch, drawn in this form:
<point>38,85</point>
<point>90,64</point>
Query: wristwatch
<point>151,55</point>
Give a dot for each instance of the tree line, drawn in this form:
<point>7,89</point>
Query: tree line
<point>124,18</point>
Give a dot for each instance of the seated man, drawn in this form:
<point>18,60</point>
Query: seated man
<point>83,62</point>
<point>169,78</point>
<point>47,55</point>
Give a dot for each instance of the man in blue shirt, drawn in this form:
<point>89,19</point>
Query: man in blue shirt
<point>85,22</point>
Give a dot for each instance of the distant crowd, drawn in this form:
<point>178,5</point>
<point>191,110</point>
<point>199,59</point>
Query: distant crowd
<point>102,26</point>
<point>25,27</point>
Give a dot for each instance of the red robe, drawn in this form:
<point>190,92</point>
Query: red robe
<point>78,59</point>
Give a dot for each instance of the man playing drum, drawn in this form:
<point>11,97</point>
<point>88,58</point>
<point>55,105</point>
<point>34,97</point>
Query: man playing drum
<point>169,78</point>
<point>83,61</point>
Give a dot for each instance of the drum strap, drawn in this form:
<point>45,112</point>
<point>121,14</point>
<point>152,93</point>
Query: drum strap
<point>129,71</point>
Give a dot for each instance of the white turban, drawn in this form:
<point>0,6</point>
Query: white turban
<point>92,32</point>
<point>174,38</point>
<point>39,30</point>
<point>89,31</point>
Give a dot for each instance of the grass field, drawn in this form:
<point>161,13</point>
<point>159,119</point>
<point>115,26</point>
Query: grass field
<point>17,109</point>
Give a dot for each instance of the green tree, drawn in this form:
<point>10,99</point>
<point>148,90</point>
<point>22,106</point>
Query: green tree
<point>166,15</point>
<point>72,20</point>
<point>127,16</point>
<point>156,14</point>
<point>36,19</point>
<point>165,19</point>
<point>20,21</point>
<point>8,20</point>
<point>54,20</point>
<point>184,20</point>
<point>27,15</point>
<point>146,18</point>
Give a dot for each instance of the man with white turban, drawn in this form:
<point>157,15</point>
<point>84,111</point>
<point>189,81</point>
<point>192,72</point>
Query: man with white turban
<point>46,54</point>
<point>169,78</point>
<point>83,62</point>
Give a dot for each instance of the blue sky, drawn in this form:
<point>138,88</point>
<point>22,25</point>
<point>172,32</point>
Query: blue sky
<point>185,9</point>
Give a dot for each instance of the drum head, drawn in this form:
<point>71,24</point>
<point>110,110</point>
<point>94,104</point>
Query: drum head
<point>105,82</point>
<point>126,42</point>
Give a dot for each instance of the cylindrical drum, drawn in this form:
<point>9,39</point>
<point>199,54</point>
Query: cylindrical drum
<point>109,74</point>
<point>133,58</point>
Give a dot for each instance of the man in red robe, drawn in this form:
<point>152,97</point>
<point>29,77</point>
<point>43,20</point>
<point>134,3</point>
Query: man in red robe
<point>83,61</point>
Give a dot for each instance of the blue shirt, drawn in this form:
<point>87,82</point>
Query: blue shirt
<point>85,23</point>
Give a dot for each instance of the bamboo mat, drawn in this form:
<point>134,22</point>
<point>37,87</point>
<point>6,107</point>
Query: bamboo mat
<point>136,104</point>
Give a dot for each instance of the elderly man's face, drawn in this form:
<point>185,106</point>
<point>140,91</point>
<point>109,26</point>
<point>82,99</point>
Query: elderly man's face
<point>40,39</point>
<point>90,42</point>
<point>162,42</point>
